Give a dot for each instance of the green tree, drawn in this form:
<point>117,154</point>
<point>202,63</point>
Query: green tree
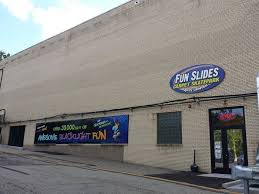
<point>235,142</point>
<point>3,55</point>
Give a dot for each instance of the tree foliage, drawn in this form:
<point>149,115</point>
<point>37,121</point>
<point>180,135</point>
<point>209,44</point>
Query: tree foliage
<point>3,55</point>
<point>235,142</point>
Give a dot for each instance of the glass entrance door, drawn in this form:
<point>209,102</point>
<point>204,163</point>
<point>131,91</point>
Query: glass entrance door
<point>218,149</point>
<point>229,149</point>
<point>228,139</point>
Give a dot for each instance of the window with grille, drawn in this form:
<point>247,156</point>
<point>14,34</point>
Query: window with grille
<point>169,128</point>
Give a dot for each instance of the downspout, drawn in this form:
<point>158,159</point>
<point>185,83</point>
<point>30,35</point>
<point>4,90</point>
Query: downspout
<point>4,110</point>
<point>3,120</point>
<point>257,84</point>
<point>2,74</point>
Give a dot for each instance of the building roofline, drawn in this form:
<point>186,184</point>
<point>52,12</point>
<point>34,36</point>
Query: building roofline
<point>119,9</point>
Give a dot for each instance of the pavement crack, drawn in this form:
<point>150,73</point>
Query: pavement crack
<point>11,169</point>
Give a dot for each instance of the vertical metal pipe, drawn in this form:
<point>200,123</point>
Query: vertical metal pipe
<point>194,156</point>
<point>1,79</point>
<point>246,186</point>
<point>257,83</point>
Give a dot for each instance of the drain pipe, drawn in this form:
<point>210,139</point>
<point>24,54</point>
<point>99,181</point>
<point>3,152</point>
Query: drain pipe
<point>1,79</point>
<point>2,116</point>
<point>257,83</point>
<point>246,186</point>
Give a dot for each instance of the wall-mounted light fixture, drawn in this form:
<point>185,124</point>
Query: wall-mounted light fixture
<point>197,101</point>
<point>63,116</point>
<point>225,102</point>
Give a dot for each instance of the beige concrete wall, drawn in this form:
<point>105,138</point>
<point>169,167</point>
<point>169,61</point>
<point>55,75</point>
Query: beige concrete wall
<point>127,57</point>
<point>108,152</point>
<point>143,146</point>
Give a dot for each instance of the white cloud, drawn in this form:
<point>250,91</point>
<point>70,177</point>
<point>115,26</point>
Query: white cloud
<point>66,14</point>
<point>54,19</point>
<point>19,8</point>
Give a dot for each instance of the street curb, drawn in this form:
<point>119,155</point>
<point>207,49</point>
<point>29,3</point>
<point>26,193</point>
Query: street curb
<point>11,147</point>
<point>171,181</point>
<point>137,175</point>
<point>230,184</point>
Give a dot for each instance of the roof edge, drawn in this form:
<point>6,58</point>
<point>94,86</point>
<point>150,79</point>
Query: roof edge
<point>119,9</point>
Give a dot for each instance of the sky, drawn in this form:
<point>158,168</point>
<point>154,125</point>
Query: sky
<point>27,22</point>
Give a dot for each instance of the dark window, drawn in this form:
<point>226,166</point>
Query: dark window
<point>16,136</point>
<point>169,128</point>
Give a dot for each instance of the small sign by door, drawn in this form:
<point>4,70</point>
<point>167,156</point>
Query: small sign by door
<point>218,151</point>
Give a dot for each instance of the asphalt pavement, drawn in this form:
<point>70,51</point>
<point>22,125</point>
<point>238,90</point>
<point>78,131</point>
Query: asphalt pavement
<point>30,172</point>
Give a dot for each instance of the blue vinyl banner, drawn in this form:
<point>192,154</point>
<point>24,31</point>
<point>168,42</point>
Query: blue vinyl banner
<point>105,130</point>
<point>197,78</point>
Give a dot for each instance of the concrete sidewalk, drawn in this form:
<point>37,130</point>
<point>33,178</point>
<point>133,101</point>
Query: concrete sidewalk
<point>91,162</point>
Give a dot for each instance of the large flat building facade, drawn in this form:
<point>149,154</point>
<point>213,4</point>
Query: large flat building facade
<point>170,77</point>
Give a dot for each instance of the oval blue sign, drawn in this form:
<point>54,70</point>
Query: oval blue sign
<point>197,78</point>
